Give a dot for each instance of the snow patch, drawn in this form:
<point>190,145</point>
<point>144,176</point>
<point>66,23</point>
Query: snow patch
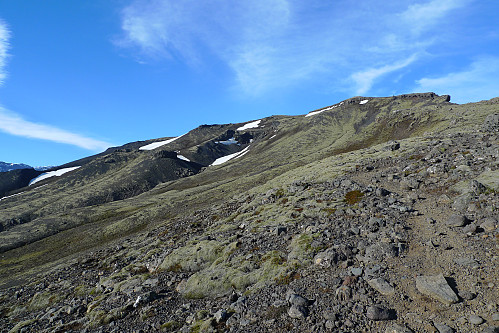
<point>183,158</point>
<point>10,196</point>
<point>253,124</point>
<point>364,101</point>
<point>313,113</point>
<point>56,173</point>
<point>231,141</point>
<point>226,158</point>
<point>155,145</point>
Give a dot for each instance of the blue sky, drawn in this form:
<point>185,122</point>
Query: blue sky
<point>79,76</point>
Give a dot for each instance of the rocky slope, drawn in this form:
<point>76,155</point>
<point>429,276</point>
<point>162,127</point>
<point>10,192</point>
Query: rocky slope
<point>325,224</point>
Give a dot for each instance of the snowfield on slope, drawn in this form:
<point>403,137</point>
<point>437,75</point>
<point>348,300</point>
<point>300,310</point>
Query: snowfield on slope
<point>313,113</point>
<point>155,145</point>
<point>364,101</point>
<point>226,158</point>
<point>253,124</point>
<point>50,174</point>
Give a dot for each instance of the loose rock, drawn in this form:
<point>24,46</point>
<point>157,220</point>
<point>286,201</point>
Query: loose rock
<point>297,312</point>
<point>475,320</point>
<point>442,328</point>
<point>379,313</point>
<point>488,224</point>
<point>437,288</point>
<point>456,220</point>
<point>382,286</point>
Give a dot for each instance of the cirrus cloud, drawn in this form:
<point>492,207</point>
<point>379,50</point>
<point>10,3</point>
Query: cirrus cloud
<point>4,47</point>
<point>364,80</point>
<point>15,125</point>
<point>269,44</point>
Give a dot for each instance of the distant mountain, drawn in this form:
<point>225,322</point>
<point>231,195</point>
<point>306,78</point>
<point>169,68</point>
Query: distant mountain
<point>44,168</point>
<point>343,219</point>
<point>4,167</point>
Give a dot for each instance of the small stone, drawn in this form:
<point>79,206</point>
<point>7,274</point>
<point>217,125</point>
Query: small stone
<point>396,328</point>
<point>393,145</point>
<point>358,308</point>
<point>221,315</point>
<point>466,295</point>
<point>456,220</point>
<point>372,270</point>
<point>348,323</point>
<point>280,230</point>
<point>475,320</point>
<point>378,313</point>
<point>477,188</point>
<point>488,224</point>
<point>295,299</point>
<point>349,280</point>
<point>495,317</point>
<point>491,329</point>
<point>328,315</point>
<point>442,328</point>
<point>239,306</point>
<point>436,287</point>
<point>380,251</point>
<point>330,324</point>
<point>444,199</point>
<point>492,307</point>
<point>470,228</point>
<point>382,286</point>
<point>297,312</point>
<point>382,192</point>
<point>465,261</point>
<point>357,271</point>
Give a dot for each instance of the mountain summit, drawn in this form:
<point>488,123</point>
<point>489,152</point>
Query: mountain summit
<point>375,214</point>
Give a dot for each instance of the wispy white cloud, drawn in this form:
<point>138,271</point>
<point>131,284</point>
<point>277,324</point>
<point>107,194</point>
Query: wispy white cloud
<point>15,125</point>
<point>276,43</point>
<point>240,34</point>
<point>422,16</point>
<point>4,46</point>
<point>364,80</point>
<point>475,83</point>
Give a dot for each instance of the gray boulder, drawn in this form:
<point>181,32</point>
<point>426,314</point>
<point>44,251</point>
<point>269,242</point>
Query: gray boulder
<point>437,288</point>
